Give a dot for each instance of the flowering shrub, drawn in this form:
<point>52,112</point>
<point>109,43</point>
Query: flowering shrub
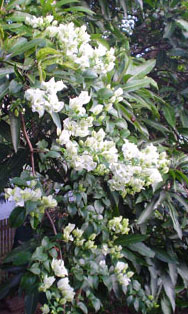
<point>86,168</point>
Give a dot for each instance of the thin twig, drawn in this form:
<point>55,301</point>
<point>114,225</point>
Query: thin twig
<point>51,221</point>
<point>29,144</point>
<point>54,229</point>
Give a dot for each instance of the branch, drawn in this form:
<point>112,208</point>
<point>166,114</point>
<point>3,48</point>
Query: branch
<point>54,229</point>
<point>29,144</point>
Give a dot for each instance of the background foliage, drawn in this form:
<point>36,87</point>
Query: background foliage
<point>142,31</point>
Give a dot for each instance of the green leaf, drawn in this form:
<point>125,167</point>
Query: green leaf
<point>169,115</point>
<point>5,130</point>
<point>79,9</point>
<point>142,249</point>
<point>132,238</point>
<point>21,48</point>
<point>169,289</point>
<point>6,71</point>
<point>56,119</point>
<point>156,125</point>
<point>18,181</point>
<point>4,89</point>
<point>44,52</point>
<point>29,283</point>
<point>35,268</point>
<point>174,216</point>
<point>139,71</point>
<point>39,255</point>
<point>163,256</point>
<point>15,130</point>
<point>53,154</point>
<point>181,176</point>
<point>133,85</point>
<point>90,74</point>
<point>18,256</point>
<point>83,307</point>
<point>181,200</point>
<point>30,302</point>
<point>165,305</point>
<point>183,24</point>
<point>64,2</point>
<point>183,272</point>
<point>17,217</point>
<point>105,93</point>
<point>147,212</point>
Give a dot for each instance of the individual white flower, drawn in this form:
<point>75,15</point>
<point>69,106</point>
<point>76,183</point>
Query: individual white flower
<point>123,279</point>
<point>53,87</point>
<point>76,104</point>
<point>48,202</point>
<point>45,309</point>
<point>64,137</point>
<point>119,225</point>
<point>110,152</point>
<point>78,232</point>
<point>130,150</point>
<point>59,268</point>
<point>121,267</point>
<point>149,156</point>
<point>47,283</point>
<point>153,176</point>
<point>96,109</point>
<point>63,283</point>
<point>67,232</point>
<point>45,98</point>
<point>84,161</point>
<point>66,290</point>
<point>72,149</point>
<point>105,249</point>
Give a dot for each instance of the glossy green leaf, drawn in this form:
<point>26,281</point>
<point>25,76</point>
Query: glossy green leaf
<point>15,131</point>
<point>142,249</point>
<point>163,256</point>
<point>147,212</point>
<point>165,305</point>
<point>169,289</point>
<point>174,216</point>
<point>17,217</point>
<point>56,119</point>
<point>64,2</point>
<point>31,301</point>
<point>80,9</point>
<point>169,115</point>
<point>131,238</point>
<point>139,71</point>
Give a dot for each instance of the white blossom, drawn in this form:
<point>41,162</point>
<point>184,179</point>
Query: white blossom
<point>66,290</point>
<point>47,283</point>
<point>59,268</point>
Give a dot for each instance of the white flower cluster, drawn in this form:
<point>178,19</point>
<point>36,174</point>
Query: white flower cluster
<point>72,234</point>
<point>139,169</point>
<point>123,277</point>
<point>39,22</point>
<point>117,97</point>
<point>132,169</point>
<point>45,309</point>
<point>74,44</point>
<point>45,97</point>
<point>119,225</point>
<point>66,290</point>
<point>63,284</point>
<point>47,283</point>
<point>21,196</point>
<point>59,268</point>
